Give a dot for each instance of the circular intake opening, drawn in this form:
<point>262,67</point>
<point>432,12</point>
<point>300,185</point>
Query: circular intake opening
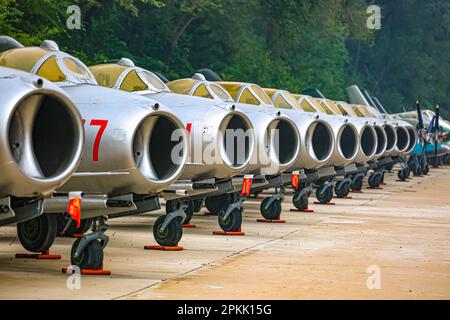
<point>284,141</point>
<point>402,138</point>
<point>412,139</point>
<point>348,143</point>
<point>381,140</point>
<point>368,141</point>
<point>237,140</point>
<point>391,137</point>
<point>159,148</point>
<point>320,141</point>
<point>43,136</point>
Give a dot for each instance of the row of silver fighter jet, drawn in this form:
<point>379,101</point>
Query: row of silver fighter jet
<point>82,145</point>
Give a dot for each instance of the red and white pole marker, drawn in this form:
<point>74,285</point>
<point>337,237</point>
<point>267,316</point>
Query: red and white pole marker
<point>247,185</point>
<point>74,206</point>
<point>294,179</point>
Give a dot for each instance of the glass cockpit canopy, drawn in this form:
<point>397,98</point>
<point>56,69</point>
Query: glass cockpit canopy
<point>183,86</point>
<point>334,108</point>
<point>364,111</point>
<point>127,78</point>
<point>55,66</point>
<point>282,99</point>
<point>246,93</point>
<point>360,111</point>
<point>307,103</point>
<point>198,88</point>
<point>345,109</point>
<point>107,74</point>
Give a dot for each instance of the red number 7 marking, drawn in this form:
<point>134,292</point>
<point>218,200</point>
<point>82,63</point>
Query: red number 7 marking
<point>102,124</point>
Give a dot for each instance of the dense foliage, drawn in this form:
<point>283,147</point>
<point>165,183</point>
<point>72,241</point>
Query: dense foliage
<point>291,44</point>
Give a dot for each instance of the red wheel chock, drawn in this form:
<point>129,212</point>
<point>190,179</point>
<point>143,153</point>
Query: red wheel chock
<point>304,210</point>
<point>229,233</point>
<point>357,191</point>
<point>345,197</point>
<point>325,204</point>
<point>164,248</point>
<point>89,272</point>
<point>271,220</point>
<point>189,225</point>
<point>375,188</point>
<point>39,256</point>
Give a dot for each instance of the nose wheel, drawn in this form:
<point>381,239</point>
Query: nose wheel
<point>232,221</point>
<point>230,216</point>
<point>271,210</point>
<point>324,192</point>
<point>301,197</point>
<point>169,236</point>
<point>342,188</point>
<point>417,170</point>
<point>375,179</point>
<point>404,172</point>
<point>357,182</point>
<point>168,229</point>
<point>90,258</point>
<point>87,251</point>
<point>38,234</point>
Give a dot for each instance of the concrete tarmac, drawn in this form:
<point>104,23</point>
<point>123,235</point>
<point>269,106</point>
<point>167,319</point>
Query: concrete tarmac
<point>392,243</point>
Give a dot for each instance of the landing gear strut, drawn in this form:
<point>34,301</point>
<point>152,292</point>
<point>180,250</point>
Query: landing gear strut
<point>216,203</point>
<point>389,167</point>
<point>172,205</point>
<point>87,252</point>
<point>424,164</point>
<point>68,227</point>
<point>38,234</point>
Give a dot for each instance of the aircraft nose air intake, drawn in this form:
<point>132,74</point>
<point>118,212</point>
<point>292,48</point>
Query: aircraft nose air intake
<point>159,152</point>
<point>320,141</point>
<point>391,137</point>
<point>402,138</point>
<point>381,140</point>
<point>238,140</point>
<point>412,139</point>
<point>368,141</point>
<point>44,136</point>
<point>348,142</point>
<point>284,141</point>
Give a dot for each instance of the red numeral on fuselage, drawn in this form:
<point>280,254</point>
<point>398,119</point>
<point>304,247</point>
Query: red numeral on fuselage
<point>102,126</point>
